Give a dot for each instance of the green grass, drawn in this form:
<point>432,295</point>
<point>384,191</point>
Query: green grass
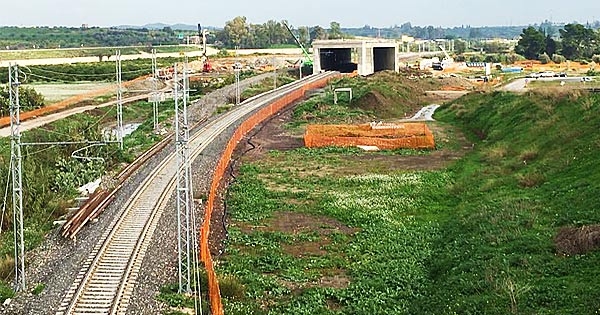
<point>534,170</point>
<point>383,260</point>
<point>475,238</point>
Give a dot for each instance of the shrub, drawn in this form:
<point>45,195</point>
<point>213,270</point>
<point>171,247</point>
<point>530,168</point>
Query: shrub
<point>530,180</point>
<point>596,59</point>
<point>583,62</point>
<point>7,265</point>
<point>38,289</point>
<point>544,58</point>
<point>556,58</point>
<point>231,288</point>
<point>592,73</point>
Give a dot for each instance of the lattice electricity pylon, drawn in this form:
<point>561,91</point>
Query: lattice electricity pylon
<point>17,177</point>
<point>184,198</point>
<point>119,100</point>
<point>155,90</point>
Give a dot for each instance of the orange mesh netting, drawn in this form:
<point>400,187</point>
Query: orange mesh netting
<point>258,117</point>
<point>383,136</point>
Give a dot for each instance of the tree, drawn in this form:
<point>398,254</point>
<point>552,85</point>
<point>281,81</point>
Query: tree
<point>318,33</point>
<point>578,41</point>
<point>460,46</point>
<point>551,46</point>
<point>335,31</point>
<point>304,35</point>
<point>531,44</point>
<point>475,33</point>
<point>237,31</point>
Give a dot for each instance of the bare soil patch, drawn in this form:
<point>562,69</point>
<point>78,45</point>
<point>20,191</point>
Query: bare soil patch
<point>577,241</point>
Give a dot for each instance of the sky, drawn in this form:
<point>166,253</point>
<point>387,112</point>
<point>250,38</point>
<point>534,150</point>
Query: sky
<point>349,13</point>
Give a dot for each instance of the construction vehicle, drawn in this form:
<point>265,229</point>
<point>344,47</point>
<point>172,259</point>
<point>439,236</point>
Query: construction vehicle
<point>308,62</point>
<point>446,62</point>
<point>206,67</point>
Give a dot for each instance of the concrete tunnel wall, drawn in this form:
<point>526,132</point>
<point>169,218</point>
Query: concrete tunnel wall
<point>384,58</point>
<point>336,59</point>
<point>347,56</point>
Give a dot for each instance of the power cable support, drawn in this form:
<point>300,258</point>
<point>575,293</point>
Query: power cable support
<point>17,177</point>
<point>119,100</point>
<point>183,181</point>
<point>16,162</point>
<point>155,94</point>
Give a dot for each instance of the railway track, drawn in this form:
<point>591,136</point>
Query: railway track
<point>107,279</point>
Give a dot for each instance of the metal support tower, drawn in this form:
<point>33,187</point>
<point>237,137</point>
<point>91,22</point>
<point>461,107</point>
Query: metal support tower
<point>155,89</point>
<point>119,100</point>
<point>184,197</point>
<point>17,177</point>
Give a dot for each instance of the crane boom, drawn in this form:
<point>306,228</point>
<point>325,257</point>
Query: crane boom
<point>444,50</point>
<point>306,54</point>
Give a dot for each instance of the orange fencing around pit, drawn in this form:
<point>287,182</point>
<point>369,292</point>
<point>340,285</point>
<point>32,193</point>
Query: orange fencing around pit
<point>383,136</point>
<point>258,117</point>
<point>55,107</point>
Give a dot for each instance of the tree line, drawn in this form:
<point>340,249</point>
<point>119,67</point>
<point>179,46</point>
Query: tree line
<point>573,42</point>
<point>70,37</point>
<point>238,32</point>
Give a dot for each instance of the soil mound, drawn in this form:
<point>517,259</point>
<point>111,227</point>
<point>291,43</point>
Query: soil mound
<point>578,241</point>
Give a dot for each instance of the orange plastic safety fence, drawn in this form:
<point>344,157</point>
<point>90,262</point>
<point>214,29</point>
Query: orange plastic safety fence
<point>55,107</point>
<point>258,117</point>
<point>410,135</point>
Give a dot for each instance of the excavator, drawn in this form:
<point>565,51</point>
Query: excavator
<point>308,62</point>
<point>446,62</point>
<point>207,67</point>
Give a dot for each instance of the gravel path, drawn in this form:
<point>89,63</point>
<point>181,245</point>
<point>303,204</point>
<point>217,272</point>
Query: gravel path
<point>57,261</point>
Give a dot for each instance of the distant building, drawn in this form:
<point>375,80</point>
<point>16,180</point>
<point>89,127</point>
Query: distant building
<point>85,26</point>
<point>363,56</point>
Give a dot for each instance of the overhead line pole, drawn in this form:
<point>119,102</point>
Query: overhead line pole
<point>155,90</point>
<point>183,183</point>
<point>119,100</point>
<point>17,177</point>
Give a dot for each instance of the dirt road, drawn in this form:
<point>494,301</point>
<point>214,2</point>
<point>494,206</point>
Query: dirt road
<point>40,121</point>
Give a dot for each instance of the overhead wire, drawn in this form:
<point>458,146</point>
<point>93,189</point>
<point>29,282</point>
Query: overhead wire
<point>5,196</point>
<point>111,74</point>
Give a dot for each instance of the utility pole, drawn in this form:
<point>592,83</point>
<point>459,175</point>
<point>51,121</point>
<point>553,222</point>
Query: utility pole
<point>237,67</point>
<point>119,101</point>
<point>155,89</point>
<point>183,184</point>
<point>17,177</point>
<point>274,74</point>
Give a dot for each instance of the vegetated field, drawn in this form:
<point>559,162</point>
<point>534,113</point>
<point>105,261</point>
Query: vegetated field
<point>58,92</point>
<point>65,37</point>
<point>99,71</point>
<point>568,84</point>
<point>89,52</point>
<point>481,229</point>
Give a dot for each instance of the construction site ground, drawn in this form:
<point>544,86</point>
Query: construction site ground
<point>274,136</point>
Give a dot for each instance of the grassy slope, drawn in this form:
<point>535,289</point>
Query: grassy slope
<point>476,240</point>
<point>534,170</point>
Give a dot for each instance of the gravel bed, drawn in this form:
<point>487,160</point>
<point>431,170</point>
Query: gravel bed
<point>57,261</point>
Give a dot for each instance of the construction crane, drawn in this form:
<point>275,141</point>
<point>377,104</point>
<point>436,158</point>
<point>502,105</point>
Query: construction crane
<point>447,61</point>
<point>207,67</point>
<point>308,62</point>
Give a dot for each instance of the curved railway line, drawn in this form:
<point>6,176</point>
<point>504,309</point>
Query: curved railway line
<point>107,278</point>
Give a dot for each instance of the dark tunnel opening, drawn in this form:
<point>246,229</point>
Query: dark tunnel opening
<point>337,59</point>
<point>384,59</point>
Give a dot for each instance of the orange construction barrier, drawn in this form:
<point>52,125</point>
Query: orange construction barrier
<point>52,108</point>
<point>383,136</point>
<point>258,117</point>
